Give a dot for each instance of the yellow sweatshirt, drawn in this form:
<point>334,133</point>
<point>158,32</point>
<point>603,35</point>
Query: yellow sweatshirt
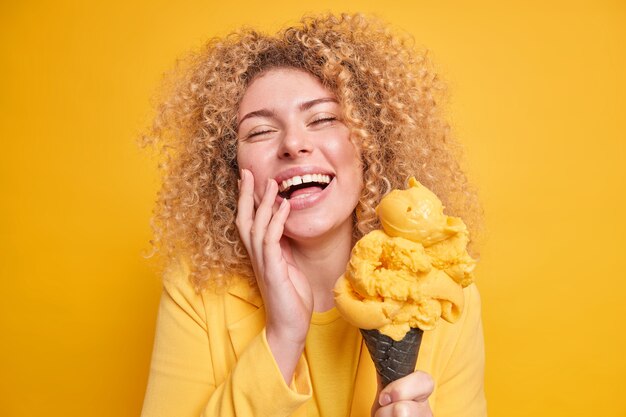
<point>211,358</point>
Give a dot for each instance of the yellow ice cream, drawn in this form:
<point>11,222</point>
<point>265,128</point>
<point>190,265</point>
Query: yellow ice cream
<point>411,273</point>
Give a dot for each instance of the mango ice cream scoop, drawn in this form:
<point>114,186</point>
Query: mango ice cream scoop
<point>401,279</point>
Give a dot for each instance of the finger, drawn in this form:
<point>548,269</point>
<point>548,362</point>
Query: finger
<point>286,248</point>
<point>416,386</point>
<point>245,207</point>
<point>276,269</point>
<point>405,409</point>
<point>273,236</point>
<point>263,216</point>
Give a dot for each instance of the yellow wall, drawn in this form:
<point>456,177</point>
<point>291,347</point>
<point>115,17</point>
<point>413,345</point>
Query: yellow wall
<point>538,97</point>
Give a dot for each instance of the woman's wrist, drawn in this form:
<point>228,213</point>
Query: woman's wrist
<point>286,353</point>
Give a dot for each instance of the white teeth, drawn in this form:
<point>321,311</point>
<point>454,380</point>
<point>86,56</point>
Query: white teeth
<point>306,178</point>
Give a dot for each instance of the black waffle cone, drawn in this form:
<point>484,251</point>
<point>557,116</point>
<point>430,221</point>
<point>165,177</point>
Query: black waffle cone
<point>393,359</point>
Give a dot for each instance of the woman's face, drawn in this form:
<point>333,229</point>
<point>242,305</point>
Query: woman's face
<point>290,129</point>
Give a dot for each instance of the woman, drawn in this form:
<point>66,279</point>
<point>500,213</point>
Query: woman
<point>277,149</point>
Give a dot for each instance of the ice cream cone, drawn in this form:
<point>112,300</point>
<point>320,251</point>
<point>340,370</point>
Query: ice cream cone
<point>406,276</point>
<point>393,359</point>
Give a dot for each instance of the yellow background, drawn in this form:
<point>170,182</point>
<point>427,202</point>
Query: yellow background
<point>537,97</point>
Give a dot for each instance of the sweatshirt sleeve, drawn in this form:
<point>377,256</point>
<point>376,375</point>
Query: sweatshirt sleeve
<point>460,390</point>
<point>182,381</point>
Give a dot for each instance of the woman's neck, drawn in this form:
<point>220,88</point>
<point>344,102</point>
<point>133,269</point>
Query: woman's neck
<point>323,261</point>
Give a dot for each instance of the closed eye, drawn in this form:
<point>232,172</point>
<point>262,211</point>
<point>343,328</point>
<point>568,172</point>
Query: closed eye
<point>323,120</point>
<point>258,133</point>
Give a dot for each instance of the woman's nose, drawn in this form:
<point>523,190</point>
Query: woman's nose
<point>294,144</point>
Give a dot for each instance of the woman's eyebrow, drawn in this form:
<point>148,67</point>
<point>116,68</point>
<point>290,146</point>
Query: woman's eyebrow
<point>308,104</point>
<point>303,107</point>
<point>257,113</point>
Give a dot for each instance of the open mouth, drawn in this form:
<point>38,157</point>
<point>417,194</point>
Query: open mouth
<point>304,185</point>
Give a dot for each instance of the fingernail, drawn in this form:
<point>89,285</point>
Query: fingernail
<point>385,399</point>
<point>242,173</point>
<point>238,183</point>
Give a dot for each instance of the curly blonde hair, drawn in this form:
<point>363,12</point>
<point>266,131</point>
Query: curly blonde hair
<point>389,95</point>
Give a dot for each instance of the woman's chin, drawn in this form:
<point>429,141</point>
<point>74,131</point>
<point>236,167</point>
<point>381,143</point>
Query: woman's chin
<point>311,230</point>
<point>302,231</point>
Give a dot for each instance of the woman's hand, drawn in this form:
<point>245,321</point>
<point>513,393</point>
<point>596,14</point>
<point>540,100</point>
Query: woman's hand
<point>285,290</point>
<point>406,397</point>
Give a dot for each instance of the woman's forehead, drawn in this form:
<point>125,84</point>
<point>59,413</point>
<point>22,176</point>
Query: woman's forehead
<point>279,87</point>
